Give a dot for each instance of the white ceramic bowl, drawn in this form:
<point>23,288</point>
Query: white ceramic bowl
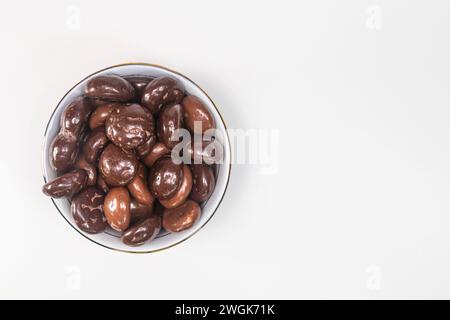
<point>111,239</point>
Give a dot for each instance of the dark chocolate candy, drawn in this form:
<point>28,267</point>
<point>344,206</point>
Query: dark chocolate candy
<point>66,185</point>
<point>161,91</point>
<point>130,126</point>
<point>87,210</point>
<point>203,182</point>
<point>165,178</point>
<point>96,142</point>
<point>143,231</point>
<point>170,119</point>
<point>111,88</point>
<point>117,166</point>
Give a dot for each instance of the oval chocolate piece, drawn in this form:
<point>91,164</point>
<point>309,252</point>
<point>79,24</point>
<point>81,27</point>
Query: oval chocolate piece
<point>182,217</point>
<point>197,117</point>
<point>117,208</point>
<point>116,166</point>
<point>87,210</point>
<point>161,91</point>
<point>203,182</point>
<point>165,178</point>
<point>183,192</point>
<point>170,119</point>
<point>63,152</point>
<point>143,231</point>
<point>139,189</point>
<point>75,117</point>
<point>111,88</point>
<point>66,185</point>
<point>130,126</point>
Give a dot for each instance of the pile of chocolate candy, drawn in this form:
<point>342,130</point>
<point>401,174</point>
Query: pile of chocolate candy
<point>115,162</point>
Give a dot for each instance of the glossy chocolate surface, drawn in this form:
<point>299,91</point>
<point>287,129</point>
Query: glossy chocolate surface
<point>110,88</point>
<point>161,91</point>
<point>66,185</point>
<point>101,113</point>
<point>165,178</point>
<point>63,152</point>
<point>195,111</point>
<point>158,150</point>
<point>108,139</point>
<point>117,208</point>
<point>145,148</point>
<point>129,126</point>
<point>139,189</point>
<point>143,231</point>
<point>203,182</point>
<point>182,217</point>
<point>170,119</point>
<point>75,117</point>
<point>205,151</point>
<point>116,166</point>
<point>96,142</point>
<point>139,211</point>
<point>182,193</point>
<point>87,210</point>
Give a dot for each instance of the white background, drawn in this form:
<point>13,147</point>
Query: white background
<point>359,91</point>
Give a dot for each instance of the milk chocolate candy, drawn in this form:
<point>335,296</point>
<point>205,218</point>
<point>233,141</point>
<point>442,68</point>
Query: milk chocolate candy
<point>196,115</point>
<point>165,178</point>
<point>204,182</point>
<point>158,150</point>
<point>140,211</point>
<point>183,191</point>
<point>182,217</point>
<point>170,119</point>
<point>117,208</point>
<point>139,189</point>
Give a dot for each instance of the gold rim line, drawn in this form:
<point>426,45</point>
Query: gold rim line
<point>226,134</point>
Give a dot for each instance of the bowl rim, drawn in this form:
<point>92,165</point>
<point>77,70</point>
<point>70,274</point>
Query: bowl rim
<point>226,135</point>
